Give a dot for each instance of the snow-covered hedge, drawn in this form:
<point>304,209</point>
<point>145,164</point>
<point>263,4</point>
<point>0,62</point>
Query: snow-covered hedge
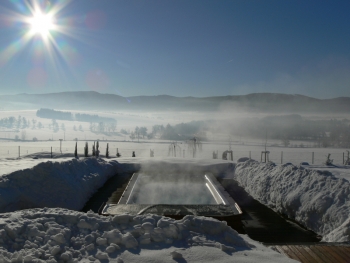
<point>316,199</point>
<point>67,184</point>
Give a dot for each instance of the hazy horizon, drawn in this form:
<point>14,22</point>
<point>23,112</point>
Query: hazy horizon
<point>159,95</point>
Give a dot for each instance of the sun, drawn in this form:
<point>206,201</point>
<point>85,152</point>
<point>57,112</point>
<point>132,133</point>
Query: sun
<point>41,24</point>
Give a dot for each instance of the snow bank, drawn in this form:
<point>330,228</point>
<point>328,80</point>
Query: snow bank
<point>339,171</point>
<point>66,184</point>
<point>60,235</point>
<point>316,199</point>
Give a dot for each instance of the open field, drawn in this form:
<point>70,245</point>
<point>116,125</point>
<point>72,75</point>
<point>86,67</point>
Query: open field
<point>163,149</point>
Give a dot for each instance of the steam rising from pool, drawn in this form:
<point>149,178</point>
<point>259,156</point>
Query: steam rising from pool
<point>171,189</point>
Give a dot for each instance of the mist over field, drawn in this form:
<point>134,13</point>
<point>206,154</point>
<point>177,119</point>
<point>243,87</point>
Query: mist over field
<point>284,120</point>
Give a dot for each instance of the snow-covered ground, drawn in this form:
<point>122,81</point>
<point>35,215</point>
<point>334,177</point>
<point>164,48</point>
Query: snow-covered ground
<point>315,198</point>
<point>60,235</point>
<point>47,138</point>
<point>10,149</point>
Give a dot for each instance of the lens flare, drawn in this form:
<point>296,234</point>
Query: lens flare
<point>41,24</point>
<point>43,35</point>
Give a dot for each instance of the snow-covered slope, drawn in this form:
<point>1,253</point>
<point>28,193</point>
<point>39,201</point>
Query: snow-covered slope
<point>316,199</point>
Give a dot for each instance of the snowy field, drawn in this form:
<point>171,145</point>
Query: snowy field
<point>59,235</point>
<point>9,150</point>
<point>47,138</point>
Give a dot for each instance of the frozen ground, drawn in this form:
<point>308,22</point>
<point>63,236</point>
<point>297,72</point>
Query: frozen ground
<point>60,235</point>
<point>316,199</point>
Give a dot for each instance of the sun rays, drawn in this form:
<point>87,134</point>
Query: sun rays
<point>41,34</point>
<point>41,23</point>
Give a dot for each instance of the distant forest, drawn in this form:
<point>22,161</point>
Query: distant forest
<point>324,133</point>
<point>68,116</point>
<point>286,128</point>
<point>178,132</point>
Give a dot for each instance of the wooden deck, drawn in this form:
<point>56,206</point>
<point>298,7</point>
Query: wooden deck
<point>315,253</point>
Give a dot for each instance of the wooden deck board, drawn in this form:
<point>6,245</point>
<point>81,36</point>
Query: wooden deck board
<point>301,256</point>
<point>280,250</point>
<point>337,256</point>
<point>308,256</point>
<point>326,256</point>
<point>343,252</point>
<point>289,253</point>
<point>316,253</point>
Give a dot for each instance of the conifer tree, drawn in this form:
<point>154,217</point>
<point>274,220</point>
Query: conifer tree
<point>76,150</point>
<point>86,150</point>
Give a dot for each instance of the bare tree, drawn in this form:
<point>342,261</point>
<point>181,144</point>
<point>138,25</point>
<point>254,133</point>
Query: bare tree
<point>143,132</point>
<point>194,145</point>
<point>173,148</point>
<point>285,142</point>
<point>132,136</point>
<point>23,135</point>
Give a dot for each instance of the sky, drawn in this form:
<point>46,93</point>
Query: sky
<point>182,48</point>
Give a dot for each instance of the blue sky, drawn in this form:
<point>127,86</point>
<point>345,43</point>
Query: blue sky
<point>181,48</point>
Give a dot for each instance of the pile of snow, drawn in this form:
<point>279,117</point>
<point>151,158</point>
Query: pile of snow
<point>316,199</point>
<point>60,235</point>
<point>66,183</point>
<point>339,171</point>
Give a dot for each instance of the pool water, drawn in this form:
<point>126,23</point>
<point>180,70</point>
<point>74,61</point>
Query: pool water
<point>153,192</point>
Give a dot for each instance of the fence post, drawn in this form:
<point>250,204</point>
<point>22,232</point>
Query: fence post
<point>343,158</point>
<point>281,157</point>
<point>51,152</point>
<point>312,157</point>
<point>19,151</point>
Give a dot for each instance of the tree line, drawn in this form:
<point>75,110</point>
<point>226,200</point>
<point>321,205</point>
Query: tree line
<point>68,116</point>
<point>20,123</point>
<point>323,133</point>
<point>182,131</point>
